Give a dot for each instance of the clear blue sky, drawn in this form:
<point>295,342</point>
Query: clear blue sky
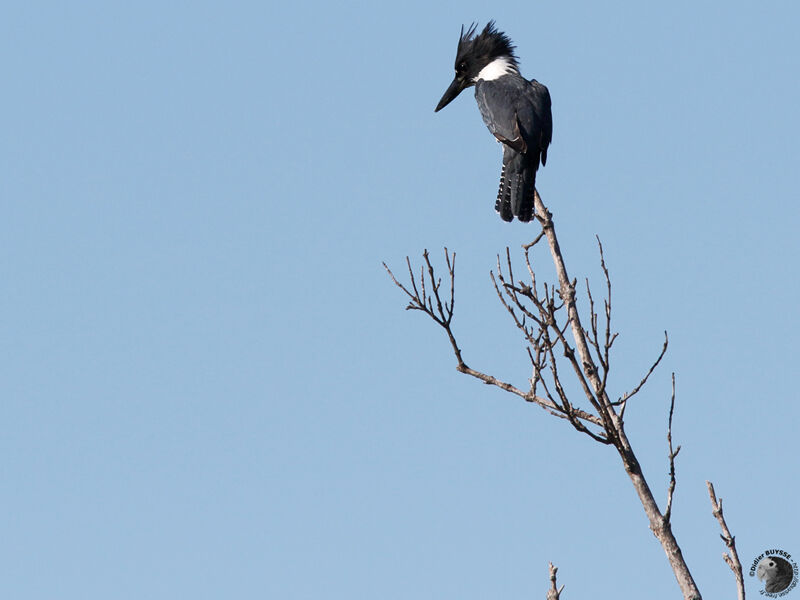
<point>210,388</point>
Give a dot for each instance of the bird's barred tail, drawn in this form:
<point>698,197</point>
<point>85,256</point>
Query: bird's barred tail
<point>522,195</point>
<point>503,204</point>
<point>515,196</point>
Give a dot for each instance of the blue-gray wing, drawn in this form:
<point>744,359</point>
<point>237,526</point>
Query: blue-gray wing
<point>499,105</point>
<point>540,124</point>
<point>517,112</point>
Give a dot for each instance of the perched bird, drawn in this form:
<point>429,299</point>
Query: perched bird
<point>515,110</point>
<point>776,573</point>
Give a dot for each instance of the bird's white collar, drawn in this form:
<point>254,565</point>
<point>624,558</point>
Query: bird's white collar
<point>497,68</point>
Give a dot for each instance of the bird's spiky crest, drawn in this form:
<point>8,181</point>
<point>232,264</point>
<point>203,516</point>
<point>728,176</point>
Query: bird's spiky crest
<point>488,43</point>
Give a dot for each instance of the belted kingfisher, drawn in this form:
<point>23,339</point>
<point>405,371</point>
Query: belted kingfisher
<point>515,110</point>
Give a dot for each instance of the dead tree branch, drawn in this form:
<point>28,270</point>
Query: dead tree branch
<point>672,455</point>
<point>430,302</point>
<point>623,401</point>
<point>554,593</point>
<point>556,342</point>
<point>731,559</point>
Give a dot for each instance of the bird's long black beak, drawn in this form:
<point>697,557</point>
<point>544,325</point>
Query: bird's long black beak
<point>454,90</point>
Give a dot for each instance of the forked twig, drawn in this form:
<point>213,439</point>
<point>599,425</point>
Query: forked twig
<point>731,559</point>
<point>442,314</point>
<point>623,401</point>
<point>544,314</point>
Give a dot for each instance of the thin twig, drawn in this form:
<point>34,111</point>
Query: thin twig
<point>541,342</point>
<point>623,401</point>
<point>672,455</point>
<point>731,559</point>
<point>607,303</point>
<point>442,314</point>
<point>530,245</point>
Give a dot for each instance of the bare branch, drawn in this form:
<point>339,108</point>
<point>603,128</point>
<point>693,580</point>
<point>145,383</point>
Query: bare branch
<point>672,455</point>
<point>442,314</point>
<point>451,267</point>
<point>412,305</point>
<point>609,341</point>
<point>613,422</point>
<point>731,559</point>
<point>527,248</point>
<point>593,339</point>
<point>530,245</point>
<point>414,283</point>
<point>544,315</point>
<point>623,401</point>
<point>554,593</point>
<point>546,404</point>
<point>541,346</point>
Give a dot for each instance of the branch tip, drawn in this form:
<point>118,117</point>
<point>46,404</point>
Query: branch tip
<point>732,558</point>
